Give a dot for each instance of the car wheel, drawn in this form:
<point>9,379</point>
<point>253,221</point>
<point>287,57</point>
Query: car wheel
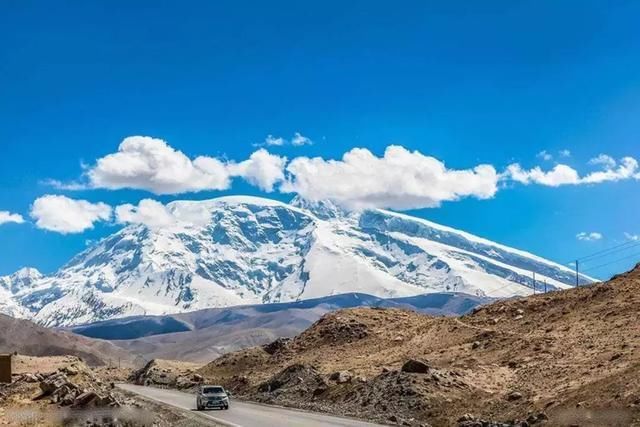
<point>226,407</point>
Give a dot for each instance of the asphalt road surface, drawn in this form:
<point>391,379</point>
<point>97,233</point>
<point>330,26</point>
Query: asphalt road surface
<point>243,414</point>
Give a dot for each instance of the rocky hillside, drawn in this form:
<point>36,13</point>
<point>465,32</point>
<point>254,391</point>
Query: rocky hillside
<point>247,250</point>
<point>64,391</point>
<point>27,338</point>
<point>563,358</point>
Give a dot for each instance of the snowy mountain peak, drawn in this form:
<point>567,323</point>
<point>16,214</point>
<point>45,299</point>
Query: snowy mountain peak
<point>20,280</point>
<point>27,273</point>
<point>323,209</point>
<point>249,250</point>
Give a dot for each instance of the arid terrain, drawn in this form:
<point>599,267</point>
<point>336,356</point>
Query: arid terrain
<point>569,358</point>
<point>63,390</point>
<point>25,337</point>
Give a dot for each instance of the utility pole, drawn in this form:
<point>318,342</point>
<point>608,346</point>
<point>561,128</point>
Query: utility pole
<point>545,286</point>
<point>577,283</point>
<point>534,282</point>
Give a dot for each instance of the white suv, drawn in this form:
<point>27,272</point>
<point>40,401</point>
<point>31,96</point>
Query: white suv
<point>212,396</point>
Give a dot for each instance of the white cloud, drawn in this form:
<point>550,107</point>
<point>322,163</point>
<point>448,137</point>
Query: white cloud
<point>151,164</point>
<point>564,153</point>
<point>634,237</point>
<point>67,186</point>
<point>148,212</point>
<point>588,237</point>
<point>627,168</point>
<point>7,217</point>
<point>562,174</point>
<point>559,175</point>
<point>262,169</point>
<point>299,140</point>
<point>154,214</point>
<point>271,140</point>
<point>545,155</point>
<point>64,215</point>
<point>401,179</point>
<point>603,160</point>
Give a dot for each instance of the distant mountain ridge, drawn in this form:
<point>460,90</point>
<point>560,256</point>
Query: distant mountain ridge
<point>202,335</point>
<point>254,250</point>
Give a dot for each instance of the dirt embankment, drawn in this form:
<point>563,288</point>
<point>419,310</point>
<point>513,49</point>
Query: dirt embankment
<point>63,390</point>
<point>562,358</point>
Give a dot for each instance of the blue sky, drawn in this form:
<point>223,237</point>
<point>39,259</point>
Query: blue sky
<point>468,83</point>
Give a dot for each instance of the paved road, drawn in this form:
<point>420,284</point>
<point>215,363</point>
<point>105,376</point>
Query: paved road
<point>243,414</point>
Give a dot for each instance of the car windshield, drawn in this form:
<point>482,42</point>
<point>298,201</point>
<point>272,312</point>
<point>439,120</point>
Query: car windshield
<point>212,390</point>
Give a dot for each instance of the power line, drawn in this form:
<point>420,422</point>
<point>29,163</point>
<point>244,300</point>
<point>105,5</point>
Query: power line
<point>606,252</point>
<point>622,249</point>
<point>613,262</point>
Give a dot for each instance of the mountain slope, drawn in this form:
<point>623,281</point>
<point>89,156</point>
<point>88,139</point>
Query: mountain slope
<point>205,334</point>
<point>562,358</point>
<point>253,250</point>
<point>27,338</point>
<point>20,281</point>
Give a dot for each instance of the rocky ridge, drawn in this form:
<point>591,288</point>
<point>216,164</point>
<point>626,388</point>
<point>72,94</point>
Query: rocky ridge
<point>562,358</point>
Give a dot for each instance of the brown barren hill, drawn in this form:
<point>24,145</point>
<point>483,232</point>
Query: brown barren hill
<point>563,358</point>
<point>25,337</point>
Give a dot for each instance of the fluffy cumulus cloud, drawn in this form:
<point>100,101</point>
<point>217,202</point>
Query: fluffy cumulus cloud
<point>262,169</point>
<point>7,217</point>
<point>400,179</point>
<point>561,174</point>
<point>146,163</point>
<point>154,214</point>
<point>150,164</point>
<point>64,215</point>
<point>589,236</point>
<point>627,168</point>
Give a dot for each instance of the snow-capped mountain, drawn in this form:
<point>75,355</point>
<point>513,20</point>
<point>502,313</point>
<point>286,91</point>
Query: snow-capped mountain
<point>18,282</point>
<point>254,250</point>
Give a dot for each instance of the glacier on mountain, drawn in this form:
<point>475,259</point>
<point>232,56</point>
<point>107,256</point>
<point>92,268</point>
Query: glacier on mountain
<point>255,250</point>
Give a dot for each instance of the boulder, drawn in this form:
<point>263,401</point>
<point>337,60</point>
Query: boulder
<point>70,370</point>
<point>52,383</point>
<point>415,366</point>
<point>514,395</point>
<point>466,417</point>
<point>29,378</point>
<point>276,346</point>
<point>85,399</point>
<point>341,377</point>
